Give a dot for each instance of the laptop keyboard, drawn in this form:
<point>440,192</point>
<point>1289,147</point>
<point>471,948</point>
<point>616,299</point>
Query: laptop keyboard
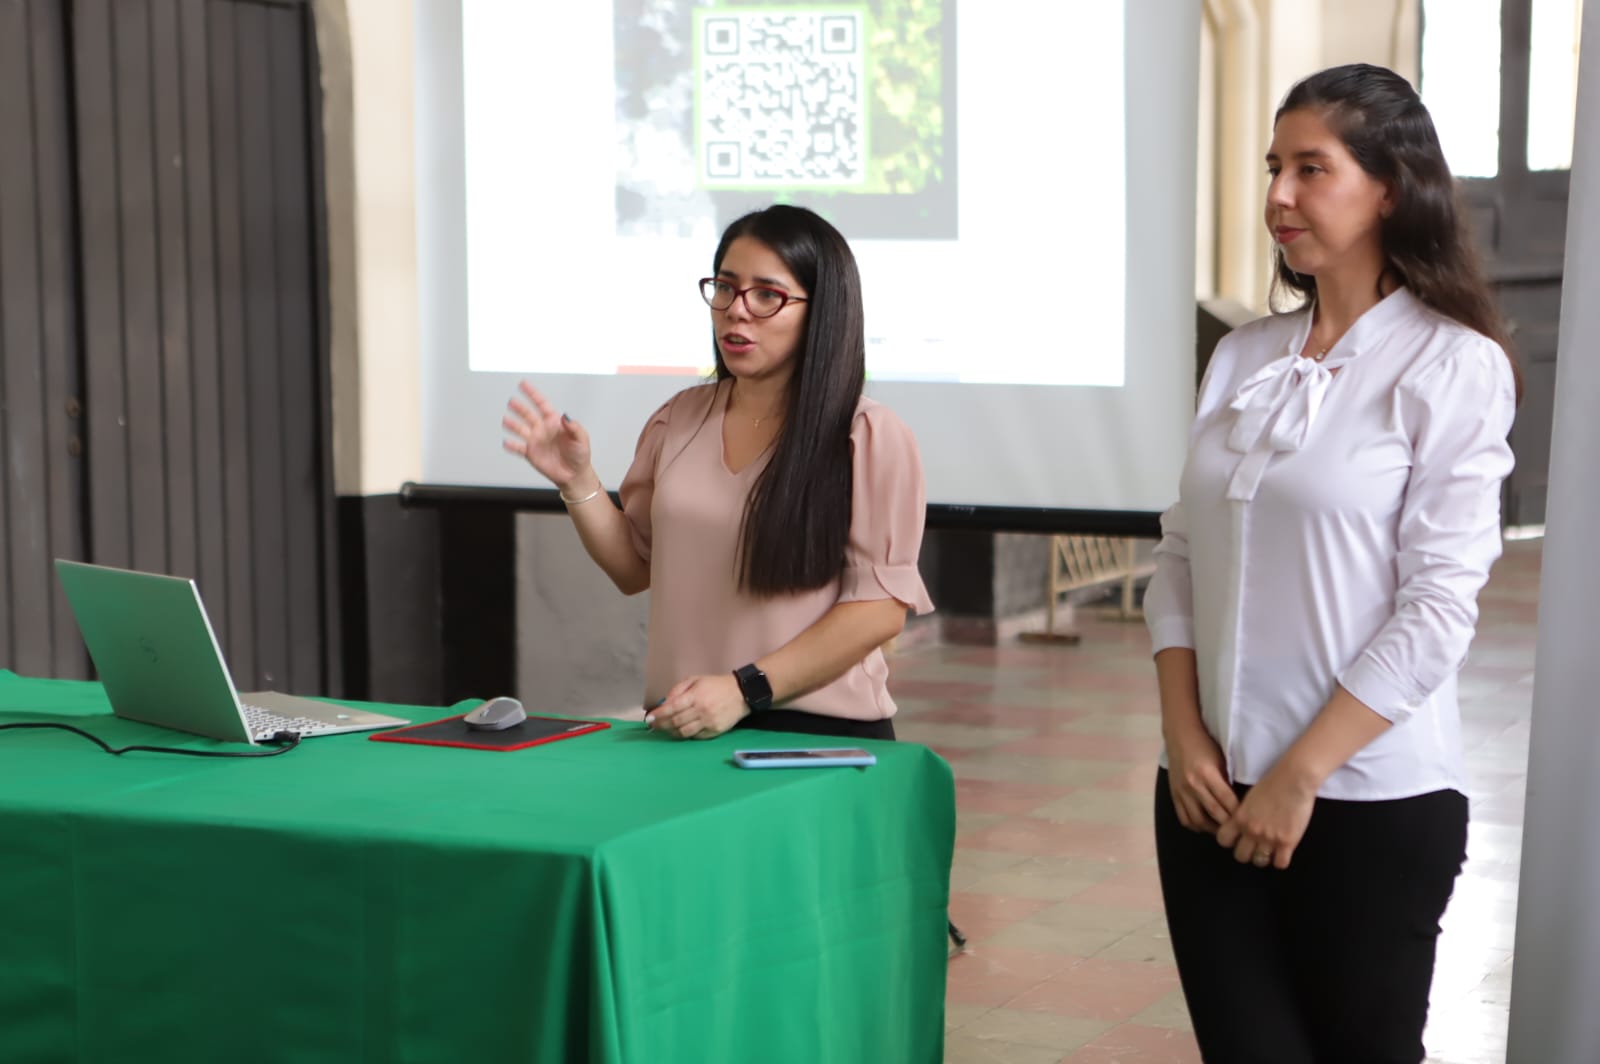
<point>264,723</point>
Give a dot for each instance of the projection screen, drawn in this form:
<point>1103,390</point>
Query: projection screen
<point>1015,179</point>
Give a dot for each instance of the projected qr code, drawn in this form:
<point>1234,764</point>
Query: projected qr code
<point>780,99</point>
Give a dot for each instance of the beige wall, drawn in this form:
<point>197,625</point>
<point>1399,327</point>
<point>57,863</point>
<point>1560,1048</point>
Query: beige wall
<point>1205,190</point>
<point>1259,49</point>
<point>1373,31</point>
<point>370,173</point>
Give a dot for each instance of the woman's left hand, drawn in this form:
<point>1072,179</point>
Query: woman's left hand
<point>701,707</point>
<point>1270,821</point>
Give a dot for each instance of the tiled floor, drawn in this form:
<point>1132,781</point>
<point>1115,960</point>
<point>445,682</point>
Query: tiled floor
<point>1055,882</point>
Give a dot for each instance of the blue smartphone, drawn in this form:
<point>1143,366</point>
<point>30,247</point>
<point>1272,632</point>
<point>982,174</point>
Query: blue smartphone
<point>820,757</point>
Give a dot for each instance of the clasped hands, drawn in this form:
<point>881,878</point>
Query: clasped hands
<point>1264,827</point>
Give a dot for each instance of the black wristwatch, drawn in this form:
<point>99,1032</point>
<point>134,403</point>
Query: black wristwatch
<point>755,687</point>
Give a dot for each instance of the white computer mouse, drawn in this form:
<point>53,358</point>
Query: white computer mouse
<point>497,714</point>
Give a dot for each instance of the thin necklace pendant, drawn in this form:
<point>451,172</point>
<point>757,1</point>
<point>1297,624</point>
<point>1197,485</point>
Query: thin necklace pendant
<point>755,422</point>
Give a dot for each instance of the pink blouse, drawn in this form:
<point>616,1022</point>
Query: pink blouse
<point>685,508</point>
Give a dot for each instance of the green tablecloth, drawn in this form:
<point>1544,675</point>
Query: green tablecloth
<point>613,897</point>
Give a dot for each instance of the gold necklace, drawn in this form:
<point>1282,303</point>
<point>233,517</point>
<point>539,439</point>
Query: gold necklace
<point>1322,352</point>
<point>755,422</point>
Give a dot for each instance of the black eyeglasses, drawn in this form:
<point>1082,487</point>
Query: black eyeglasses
<point>760,300</point>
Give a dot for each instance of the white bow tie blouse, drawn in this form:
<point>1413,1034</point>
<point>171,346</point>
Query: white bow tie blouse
<point>1334,524</point>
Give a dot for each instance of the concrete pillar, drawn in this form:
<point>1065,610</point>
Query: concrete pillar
<point>1556,971</point>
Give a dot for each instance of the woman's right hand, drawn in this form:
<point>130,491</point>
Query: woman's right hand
<point>1198,779</point>
<point>551,442</point>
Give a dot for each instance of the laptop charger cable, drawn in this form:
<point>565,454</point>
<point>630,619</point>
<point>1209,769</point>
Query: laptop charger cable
<point>282,742</point>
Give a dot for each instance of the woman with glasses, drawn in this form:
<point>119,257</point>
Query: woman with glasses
<point>774,514</point>
<point>1315,595</point>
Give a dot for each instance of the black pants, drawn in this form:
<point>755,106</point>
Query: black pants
<point>803,723</point>
<point>1329,961</point>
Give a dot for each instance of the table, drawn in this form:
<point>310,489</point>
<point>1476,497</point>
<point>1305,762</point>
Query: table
<point>613,897</point>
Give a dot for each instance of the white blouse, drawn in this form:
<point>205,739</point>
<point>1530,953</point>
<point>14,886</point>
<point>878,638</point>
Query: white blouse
<point>1334,524</point>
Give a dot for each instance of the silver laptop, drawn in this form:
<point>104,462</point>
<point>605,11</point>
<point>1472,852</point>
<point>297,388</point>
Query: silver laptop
<point>160,663</point>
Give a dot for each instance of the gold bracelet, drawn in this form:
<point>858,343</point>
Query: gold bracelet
<point>577,502</point>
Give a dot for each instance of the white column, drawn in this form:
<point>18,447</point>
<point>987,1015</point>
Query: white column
<point>1555,999</point>
<point>1241,232</point>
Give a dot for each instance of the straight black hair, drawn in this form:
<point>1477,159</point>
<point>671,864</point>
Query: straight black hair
<point>796,522</point>
<point>1385,127</point>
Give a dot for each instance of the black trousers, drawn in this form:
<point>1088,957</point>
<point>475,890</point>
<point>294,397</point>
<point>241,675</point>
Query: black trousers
<point>1329,961</point>
<point>803,723</point>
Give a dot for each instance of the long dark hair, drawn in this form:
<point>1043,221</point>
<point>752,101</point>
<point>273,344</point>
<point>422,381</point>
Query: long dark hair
<point>1386,128</point>
<point>796,522</point>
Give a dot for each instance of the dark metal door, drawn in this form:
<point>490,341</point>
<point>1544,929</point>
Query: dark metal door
<point>41,493</point>
<point>166,388</point>
<point>1520,216</point>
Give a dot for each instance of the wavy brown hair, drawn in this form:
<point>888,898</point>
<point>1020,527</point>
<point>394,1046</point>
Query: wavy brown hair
<point>1426,243</point>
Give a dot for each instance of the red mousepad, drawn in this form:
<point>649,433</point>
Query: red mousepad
<point>453,731</point>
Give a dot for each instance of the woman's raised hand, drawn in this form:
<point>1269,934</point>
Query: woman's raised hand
<point>551,442</point>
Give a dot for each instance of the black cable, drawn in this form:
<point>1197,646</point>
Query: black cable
<point>287,740</point>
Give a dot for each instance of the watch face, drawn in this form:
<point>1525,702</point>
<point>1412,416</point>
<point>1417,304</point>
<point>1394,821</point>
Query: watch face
<point>755,687</point>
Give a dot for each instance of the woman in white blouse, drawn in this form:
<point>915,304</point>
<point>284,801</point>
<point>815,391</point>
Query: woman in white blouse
<point>1315,595</point>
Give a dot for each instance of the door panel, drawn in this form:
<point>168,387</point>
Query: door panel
<point>41,495</point>
<point>163,380</point>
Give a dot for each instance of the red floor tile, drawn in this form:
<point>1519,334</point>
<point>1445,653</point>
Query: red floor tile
<point>1100,990</point>
<point>1077,746</point>
<point>989,714</point>
<point>993,975</point>
<point>968,907</point>
<point>903,686</point>
<point>1046,838</point>
<point>1133,1044</point>
<point>1141,779</point>
<point>997,796</point>
<point>1138,887</point>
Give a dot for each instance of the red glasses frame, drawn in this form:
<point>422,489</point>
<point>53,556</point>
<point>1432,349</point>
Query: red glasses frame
<point>707,293</point>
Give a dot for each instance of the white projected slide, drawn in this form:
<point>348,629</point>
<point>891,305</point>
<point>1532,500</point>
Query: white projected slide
<point>1017,181</point>
<point>976,165</point>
